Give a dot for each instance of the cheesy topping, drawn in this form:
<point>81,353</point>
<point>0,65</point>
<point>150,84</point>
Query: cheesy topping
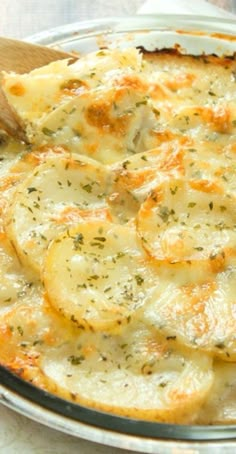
<point>104,276</point>
<point>118,234</point>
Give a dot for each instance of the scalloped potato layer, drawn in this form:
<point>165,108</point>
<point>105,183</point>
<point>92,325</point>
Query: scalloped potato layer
<point>118,234</point>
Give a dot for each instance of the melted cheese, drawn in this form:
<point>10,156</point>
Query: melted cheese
<point>58,193</point>
<point>106,124</point>
<point>118,234</point>
<point>164,384</point>
<point>183,221</point>
<point>198,310</point>
<point>36,94</point>
<point>104,276</point>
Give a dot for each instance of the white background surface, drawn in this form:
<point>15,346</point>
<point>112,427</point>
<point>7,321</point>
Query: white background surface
<point>19,18</point>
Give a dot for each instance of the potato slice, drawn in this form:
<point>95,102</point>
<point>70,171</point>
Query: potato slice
<point>195,310</point>
<point>58,193</point>
<point>136,374</point>
<point>37,93</point>
<point>103,278</point>
<point>217,118</point>
<point>106,124</point>
<point>220,405</point>
<point>192,220</point>
<point>14,284</point>
<point>28,328</point>
<point>135,177</point>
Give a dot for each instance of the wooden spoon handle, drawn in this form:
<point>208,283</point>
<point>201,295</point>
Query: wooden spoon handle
<point>21,57</point>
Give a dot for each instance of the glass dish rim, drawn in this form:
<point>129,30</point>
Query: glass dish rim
<point>165,22</point>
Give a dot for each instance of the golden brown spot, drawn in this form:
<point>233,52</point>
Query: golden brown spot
<point>3,205</point>
<point>198,294</point>
<point>218,262</point>
<point>180,81</point>
<point>74,215</point>
<point>153,346</point>
<point>74,86</point>
<point>8,181</point>
<point>219,118</point>
<point>5,332</point>
<point>159,92</point>
<point>133,82</point>
<point>206,186</point>
<point>168,136</point>
<point>134,180</point>
<point>88,350</point>
<point>17,89</point>
<point>49,338</point>
<point>91,148</point>
<point>99,115</point>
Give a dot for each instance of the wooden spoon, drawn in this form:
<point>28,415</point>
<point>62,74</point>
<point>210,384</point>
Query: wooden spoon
<point>21,57</point>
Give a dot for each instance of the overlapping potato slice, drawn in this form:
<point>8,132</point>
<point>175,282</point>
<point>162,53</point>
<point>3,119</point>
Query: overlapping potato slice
<point>104,275</point>
<point>197,308</point>
<point>220,405</point>
<point>14,284</point>
<point>106,124</point>
<point>35,94</point>
<point>209,160</point>
<point>135,177</point>
<point>18,169</point>
<point>136,374</point>
<point>9,153</point>
<point>58,193</point>
<point>187,220</point>
<point>209,122</point>
<point>28,328</point>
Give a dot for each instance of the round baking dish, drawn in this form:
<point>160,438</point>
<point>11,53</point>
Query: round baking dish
<point>192,35</point>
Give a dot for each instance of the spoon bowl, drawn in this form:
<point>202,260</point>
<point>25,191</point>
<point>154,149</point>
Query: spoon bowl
<point>21,57</point>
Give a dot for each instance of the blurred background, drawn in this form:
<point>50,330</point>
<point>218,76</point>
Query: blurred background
<point>21,18</point>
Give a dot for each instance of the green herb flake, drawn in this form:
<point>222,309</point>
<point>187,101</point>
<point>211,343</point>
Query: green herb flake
<point>78,240</point>
<point>223,208</point>
<point>97,244</point>
<point>76,360</point>
<point>164,213</point>
<point>100,238</point>
<point>120,254</point>
<point>220,345</point>
<point>48,132</point>
<point>156,112</point>
<point>162,384</point>
<point>20,330</point>
<point>31,190</point>
<point>88,188</point>
<point>139,279</point>
<point>124,164</point>
<point>141,103</point>
<point>174,190</point>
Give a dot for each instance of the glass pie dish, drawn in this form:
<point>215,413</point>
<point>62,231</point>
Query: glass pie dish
<point>190,35</point>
